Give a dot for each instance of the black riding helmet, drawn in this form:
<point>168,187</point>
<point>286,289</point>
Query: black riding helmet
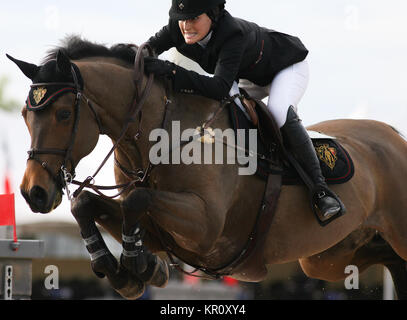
<point>188,9</point>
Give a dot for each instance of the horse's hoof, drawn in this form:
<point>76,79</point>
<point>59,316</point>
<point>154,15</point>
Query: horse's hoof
<point>133,290</point>
<point>128,286</point>
<point>160,275</point>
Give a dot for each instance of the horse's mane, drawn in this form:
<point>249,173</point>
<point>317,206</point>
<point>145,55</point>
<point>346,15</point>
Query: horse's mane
<point>77,48</point>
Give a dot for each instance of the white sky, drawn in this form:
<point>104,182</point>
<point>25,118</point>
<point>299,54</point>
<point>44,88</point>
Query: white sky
<point>357,57</point>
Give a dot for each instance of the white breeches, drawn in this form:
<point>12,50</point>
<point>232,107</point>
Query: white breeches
<point>286,89</point>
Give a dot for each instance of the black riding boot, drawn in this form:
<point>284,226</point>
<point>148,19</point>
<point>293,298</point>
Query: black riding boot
<point>301,145</point>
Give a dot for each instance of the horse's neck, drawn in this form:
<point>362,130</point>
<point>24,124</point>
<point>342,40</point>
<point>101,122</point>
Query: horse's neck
<point>110,87</point>
<point>114,96</point>
<point>134,148</point>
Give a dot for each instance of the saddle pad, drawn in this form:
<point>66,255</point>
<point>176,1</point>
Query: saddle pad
<point>336,164</point>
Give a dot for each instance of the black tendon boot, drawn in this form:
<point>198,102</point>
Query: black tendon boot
<point>301,145</point>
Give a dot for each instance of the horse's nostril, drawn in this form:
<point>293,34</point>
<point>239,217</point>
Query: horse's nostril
<point>25,195</point>
<point>38,197</point>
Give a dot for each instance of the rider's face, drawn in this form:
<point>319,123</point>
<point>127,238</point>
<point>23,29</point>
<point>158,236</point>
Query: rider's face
<point>195,29</point>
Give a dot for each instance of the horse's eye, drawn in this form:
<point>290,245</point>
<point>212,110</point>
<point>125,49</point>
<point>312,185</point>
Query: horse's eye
<point>63,115</point>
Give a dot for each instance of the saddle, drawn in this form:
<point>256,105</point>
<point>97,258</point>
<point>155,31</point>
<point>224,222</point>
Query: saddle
<point>336,164</point>
<point>277,165</point>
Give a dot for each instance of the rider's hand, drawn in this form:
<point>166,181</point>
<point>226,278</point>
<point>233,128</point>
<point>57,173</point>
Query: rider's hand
<point>159,67</point>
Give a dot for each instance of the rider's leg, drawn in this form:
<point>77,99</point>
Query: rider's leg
<point>286,90</point>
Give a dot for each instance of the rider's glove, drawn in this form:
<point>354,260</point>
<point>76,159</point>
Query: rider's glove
<point>159,67</point>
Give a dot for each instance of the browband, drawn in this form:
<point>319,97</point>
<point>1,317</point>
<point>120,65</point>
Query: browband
<point>43,94</point>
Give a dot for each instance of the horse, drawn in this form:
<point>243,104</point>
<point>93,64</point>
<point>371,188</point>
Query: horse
<point>203,214</point>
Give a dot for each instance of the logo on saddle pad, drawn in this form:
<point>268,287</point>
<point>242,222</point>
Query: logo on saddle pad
<point>38,94</point>
<point>327,154</point>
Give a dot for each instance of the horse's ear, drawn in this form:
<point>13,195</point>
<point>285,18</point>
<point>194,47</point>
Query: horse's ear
<point>63,63</point>
<point>29,69</point>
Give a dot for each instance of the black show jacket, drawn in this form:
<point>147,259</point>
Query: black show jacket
<point>238,49</point>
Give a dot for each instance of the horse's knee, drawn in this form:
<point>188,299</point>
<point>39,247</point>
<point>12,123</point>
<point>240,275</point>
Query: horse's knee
<point>82,205</point>
<point>137,202</point>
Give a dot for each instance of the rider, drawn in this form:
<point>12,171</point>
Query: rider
<point>268,62</point>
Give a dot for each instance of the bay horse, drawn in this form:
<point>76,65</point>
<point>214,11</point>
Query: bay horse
<point>201,213</point>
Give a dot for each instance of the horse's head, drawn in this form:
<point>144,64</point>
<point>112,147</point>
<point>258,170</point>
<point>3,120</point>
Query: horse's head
<point>61,132</point>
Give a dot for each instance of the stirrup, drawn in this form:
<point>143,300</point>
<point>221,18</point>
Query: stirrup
<point>331,209</point>
<point>320,192</point>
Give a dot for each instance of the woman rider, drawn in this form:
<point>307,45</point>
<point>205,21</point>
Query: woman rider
<point>271,62</point>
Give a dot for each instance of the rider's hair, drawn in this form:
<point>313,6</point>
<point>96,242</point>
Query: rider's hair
<point>216,13</point>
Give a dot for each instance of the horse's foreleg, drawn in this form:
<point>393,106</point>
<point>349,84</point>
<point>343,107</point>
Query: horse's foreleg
<point>183,215</point>
<point>86,209</point>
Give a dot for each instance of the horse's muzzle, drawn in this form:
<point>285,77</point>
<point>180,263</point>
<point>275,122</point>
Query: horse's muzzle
<point>40,200</point>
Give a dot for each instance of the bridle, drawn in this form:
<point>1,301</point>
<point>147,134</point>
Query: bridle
<point>63,178</point>
<point>63,175</point>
